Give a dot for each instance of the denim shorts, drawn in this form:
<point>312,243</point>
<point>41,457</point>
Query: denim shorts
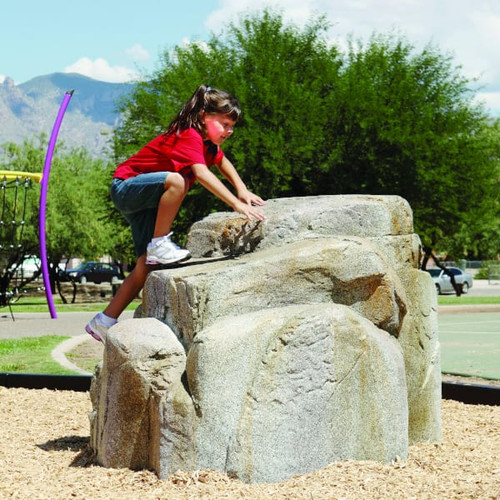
<point>137,198</point>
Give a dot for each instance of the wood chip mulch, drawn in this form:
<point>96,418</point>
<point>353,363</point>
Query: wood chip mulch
<point>44,438</point>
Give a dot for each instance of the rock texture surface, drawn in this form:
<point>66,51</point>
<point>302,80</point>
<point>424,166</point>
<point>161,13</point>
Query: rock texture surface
<point>285,345</point>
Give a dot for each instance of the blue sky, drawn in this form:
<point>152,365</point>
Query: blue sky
<point>115,40</point>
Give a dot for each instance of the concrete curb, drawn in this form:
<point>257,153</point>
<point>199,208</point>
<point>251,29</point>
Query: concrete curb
<point>59,353</point>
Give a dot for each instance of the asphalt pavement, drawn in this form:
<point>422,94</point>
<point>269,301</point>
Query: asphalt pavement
<point>483,288</point>
<point>70,324</point>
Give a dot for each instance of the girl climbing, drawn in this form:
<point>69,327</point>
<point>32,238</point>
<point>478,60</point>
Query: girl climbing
<point>148,189</point>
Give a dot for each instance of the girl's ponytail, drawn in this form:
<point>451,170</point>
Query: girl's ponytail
<point>205,98</point>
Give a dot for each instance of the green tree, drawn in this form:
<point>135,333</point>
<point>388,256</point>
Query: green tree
<point>478,232</point>
<point>77,222</point>
<point>408,126</point>
<point>76,214</point>
<point>378,118</point>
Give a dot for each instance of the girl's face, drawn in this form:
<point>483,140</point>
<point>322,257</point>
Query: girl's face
<point>218,127</point>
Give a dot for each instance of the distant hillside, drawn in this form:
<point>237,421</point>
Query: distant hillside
<point>30,108</point>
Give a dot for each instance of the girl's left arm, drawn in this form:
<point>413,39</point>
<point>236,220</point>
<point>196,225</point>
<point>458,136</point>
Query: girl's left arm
<point>227,169</point>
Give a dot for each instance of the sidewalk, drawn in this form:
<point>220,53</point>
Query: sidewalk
<point>37,324</point>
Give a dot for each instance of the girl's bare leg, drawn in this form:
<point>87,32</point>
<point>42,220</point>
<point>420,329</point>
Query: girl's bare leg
<point>129,289</point>
<point>175,191</point>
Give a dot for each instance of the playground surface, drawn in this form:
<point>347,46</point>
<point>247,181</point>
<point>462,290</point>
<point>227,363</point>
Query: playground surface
<point>470,344</point>
<point>45,454</point>
<point>470,335</point>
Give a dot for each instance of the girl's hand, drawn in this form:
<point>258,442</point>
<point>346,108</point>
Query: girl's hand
<point>250,199</point>
<point>249,211</point>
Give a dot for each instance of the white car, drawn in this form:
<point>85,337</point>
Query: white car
<point>28,267</point>
<point>443,281</point>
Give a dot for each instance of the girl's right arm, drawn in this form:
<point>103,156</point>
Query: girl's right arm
<point>211,182</point>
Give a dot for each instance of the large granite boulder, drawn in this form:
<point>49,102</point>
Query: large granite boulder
<point>307,391</point>
<point>285,345</point>
<point>347,271</point>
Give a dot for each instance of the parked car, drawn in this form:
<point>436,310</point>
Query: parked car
<point>95,272</point>
<point>443,280</point>
<point>29,267</point>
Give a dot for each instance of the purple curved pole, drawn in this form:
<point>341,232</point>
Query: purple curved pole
<point>43,202</point>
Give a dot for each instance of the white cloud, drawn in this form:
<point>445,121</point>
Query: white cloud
<point>186,42</point>
<point>491,101</point>
<point>100,69</point>
<point>138,53</point>
<point>2,78</point>
<point>480,49</point>
<point>297,11</point>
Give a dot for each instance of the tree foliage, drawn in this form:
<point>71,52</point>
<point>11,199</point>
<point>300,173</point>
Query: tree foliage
<point>413,130</point>
<point>377,118</point>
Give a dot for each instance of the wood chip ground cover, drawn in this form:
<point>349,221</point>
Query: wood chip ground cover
<point>45,455</point>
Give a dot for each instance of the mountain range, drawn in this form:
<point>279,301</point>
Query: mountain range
<point>30,108</point>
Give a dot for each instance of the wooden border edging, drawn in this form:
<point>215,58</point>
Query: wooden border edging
<point>80,383</point>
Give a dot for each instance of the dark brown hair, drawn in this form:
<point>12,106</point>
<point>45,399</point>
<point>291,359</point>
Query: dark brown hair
<point>205,98</point>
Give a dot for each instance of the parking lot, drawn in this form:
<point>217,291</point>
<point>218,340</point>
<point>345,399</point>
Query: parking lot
<point>483,288</point>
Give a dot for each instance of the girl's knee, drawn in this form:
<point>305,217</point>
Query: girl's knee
<point>176,181</point>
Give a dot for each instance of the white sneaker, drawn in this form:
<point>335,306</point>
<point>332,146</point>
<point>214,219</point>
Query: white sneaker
<point>97,329</point>
<point>164,251</point>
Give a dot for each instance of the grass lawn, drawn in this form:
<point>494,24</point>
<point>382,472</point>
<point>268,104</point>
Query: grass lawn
<point>464,300</point>
<point>31,355</point>
<point>29,304</point>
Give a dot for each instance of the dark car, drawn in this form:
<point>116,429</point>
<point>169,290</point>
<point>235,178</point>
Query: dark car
<point>443,283</point>
<point>96,272</point>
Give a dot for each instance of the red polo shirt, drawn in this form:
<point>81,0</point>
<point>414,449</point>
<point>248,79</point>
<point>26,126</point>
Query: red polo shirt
<point>171,153</point>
